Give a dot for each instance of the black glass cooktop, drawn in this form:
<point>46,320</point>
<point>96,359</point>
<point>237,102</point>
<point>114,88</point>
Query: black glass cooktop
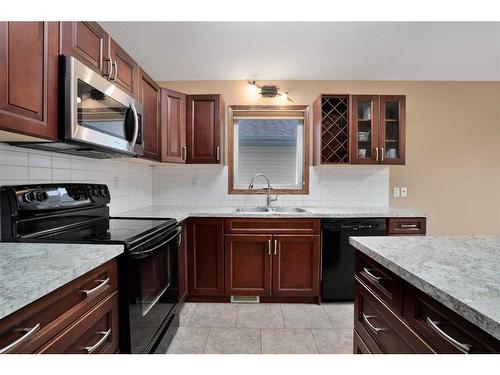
<point>116,230</point>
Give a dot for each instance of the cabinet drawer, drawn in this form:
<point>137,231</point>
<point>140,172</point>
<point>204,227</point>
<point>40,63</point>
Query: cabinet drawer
<point>360,347</point>
<point>446,331</point>
<point>49,315</point>
<point>375,321</point>
<point>384,283</point>
<point>95,333</point>
<point>275,226</point>
<point>409,225</point>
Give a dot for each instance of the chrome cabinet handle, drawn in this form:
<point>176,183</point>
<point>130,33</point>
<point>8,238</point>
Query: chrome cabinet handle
<point>115,63</point>
<point>218,153</point>
<point>371,275</point>
<point>382,154</point>
<point>275,246</point>
<point>184,153</point>
<point>110,69</point>
<point>376,153</point>
<point>464,348</point>
<point>408,225</point>
<point>371,326</point>
<point>102,284</point>
<point>270,245</point>
<point>179,240</point>
<point>29,332</point>
<point>98,344</point>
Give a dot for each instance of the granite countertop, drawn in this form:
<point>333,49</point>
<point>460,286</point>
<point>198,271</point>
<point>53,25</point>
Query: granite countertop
<point>463,273</point>
<point>183,212</point>
<point>29,271</point>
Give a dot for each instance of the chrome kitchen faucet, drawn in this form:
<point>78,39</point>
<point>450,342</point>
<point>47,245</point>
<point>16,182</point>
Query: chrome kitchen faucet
<point>269,199</point>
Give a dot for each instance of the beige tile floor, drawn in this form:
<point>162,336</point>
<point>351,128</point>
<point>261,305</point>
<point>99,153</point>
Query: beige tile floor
<point>225,328</point>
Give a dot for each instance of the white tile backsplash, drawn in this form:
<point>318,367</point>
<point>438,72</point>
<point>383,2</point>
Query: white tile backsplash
<point>206,185</point>
<point>137,185</point>
<point>130,184</point>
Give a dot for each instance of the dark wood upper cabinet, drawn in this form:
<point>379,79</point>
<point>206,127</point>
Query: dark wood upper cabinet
<point>392,133</point>
<point>205,257</point>
<point>331,129</point>
<point>248,264</point>
<point>88,42</point>
<point>28,78</point>
<point>377,129</point>
<point>125,69</point>
<point>173,124</point>
<point>205,129</point>
<point>364,129</point>
<point>296,266</point>
<point>150,97</point>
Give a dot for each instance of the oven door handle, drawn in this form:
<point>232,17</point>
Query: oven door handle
<point>141,254</point>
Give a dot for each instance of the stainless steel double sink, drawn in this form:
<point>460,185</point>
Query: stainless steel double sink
<point>269,210</point>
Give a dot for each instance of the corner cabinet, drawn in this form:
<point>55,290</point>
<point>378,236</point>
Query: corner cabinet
<point>377,130</point>
<point>205,129</point>
<point>149,95</point>
<point>28,79</point>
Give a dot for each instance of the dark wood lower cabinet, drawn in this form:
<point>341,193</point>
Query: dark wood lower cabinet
<point>260,262</point>
<point>205,257</point>
<point>95,333</point>
<point>359,346</point>
<point>74,314</point>
<point>296,265</point>
<point>411,323</point>
<point>374,320</point>
<point>248,264</point>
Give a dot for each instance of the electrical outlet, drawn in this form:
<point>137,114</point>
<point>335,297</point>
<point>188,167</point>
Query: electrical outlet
<point>396,192</point>
<point>404,192</point>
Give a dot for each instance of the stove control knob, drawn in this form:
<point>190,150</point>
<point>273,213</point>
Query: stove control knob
<point>41,196</point>
<point>28,197</point>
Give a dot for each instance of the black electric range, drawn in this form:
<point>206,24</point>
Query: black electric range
<point>148,269</point>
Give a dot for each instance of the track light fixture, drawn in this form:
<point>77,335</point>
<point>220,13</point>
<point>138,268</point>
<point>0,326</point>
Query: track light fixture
<point>270,91</point>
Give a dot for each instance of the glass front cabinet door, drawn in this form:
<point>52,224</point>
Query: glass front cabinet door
<point>364,128</point>
<point>377,129</point>
<point>392,129</point>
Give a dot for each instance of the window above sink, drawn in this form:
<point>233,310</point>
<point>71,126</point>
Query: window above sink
<point>271,140</point>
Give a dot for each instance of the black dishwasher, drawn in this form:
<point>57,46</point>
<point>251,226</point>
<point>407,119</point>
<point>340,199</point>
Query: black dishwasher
<point>338,255</point>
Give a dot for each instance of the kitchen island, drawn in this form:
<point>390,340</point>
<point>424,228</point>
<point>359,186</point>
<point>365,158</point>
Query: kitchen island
<point>427,294</point>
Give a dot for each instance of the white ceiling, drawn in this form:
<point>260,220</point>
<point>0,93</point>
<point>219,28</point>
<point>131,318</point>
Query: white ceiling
<point>313,50</point>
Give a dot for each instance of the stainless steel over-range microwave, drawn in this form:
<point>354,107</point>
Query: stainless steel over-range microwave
<point>97,118</point>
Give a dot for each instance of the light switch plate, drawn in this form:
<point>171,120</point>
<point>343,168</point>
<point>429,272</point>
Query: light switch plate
<point>396,192</point>
<point>404,192</point>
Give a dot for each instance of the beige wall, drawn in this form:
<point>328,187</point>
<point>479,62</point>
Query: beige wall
<point>452,166</point>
